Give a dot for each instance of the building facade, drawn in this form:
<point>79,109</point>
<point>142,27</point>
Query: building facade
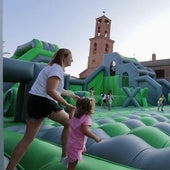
<point>161,67</point>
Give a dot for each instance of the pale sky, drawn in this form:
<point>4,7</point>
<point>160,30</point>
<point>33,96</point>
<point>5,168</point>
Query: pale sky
<point>138,27</point>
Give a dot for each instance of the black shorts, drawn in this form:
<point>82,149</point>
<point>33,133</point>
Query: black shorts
<point>39,107</point>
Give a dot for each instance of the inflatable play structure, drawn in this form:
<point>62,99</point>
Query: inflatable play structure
<point>132,139</point>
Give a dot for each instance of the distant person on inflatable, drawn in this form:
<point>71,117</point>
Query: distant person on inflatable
<point>109,99</point>
<point>161,102</point>
<point>44,101</point>
<point>80,130</point>
<point>92,92</point>
<point>103,99</point>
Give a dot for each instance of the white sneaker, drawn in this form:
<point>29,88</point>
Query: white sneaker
<point>64,160</point>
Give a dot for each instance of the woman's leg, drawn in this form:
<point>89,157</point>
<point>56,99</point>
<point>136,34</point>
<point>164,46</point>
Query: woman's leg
<point>63,118</point>
<point>32,128</point>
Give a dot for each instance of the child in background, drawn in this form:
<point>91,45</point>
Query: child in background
<point>109,99</point>
<point>161,102</point>
<point>92,92</point>
<point>80,130</point>
<point>103,97</point>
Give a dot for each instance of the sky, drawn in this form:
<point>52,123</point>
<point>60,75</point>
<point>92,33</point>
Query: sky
<point>138,27</point>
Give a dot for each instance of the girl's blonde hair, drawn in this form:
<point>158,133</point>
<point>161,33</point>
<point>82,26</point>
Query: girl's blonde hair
<point>84,105</point>
<point>59,56</point>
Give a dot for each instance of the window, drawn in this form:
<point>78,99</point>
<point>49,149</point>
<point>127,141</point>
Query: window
<point>105,34</point>
<point>98,31</point>
<point>160,73</point>
<point>113,68</point>
<point>107,22</point>
<point>106,48</point>
<point>99,21</point>
<point>94,48</point>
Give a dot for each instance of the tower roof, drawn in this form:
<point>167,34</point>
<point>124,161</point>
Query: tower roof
<point>103,16</point>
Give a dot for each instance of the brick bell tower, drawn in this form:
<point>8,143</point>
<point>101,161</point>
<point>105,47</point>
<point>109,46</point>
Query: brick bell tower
<point>99,45</point>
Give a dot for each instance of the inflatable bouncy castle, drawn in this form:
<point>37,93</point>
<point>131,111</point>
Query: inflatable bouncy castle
<point>134,135</point>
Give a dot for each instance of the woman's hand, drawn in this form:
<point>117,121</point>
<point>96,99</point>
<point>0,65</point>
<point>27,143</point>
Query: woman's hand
<point>75,97</point>
<point>71,109</point>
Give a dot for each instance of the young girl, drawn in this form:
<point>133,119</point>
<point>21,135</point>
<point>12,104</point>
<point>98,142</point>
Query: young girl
<point>80,130</point>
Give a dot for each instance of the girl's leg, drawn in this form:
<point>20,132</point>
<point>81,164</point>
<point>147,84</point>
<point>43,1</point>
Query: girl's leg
<point>158,107</point>
<point>162,107</point>
<point>63,118</point>
<point>32,128</point>
<point>72,166</point>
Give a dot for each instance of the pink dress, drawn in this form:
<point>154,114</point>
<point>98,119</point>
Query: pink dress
<point>77,139</point>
